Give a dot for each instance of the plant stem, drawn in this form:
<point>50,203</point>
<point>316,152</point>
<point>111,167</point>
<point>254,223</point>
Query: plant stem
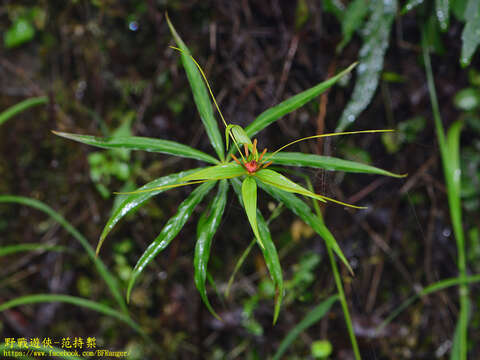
<point>341,293</point>
<point>454,207</point>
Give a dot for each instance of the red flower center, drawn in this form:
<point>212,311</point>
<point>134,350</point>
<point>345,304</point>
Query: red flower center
<point>251,166</point>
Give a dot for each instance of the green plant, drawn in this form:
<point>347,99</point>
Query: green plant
<point>449,145</point>
<point>20,107</point>
<point>22,29</point>
<point>375,33</point>
<point>121,315</point>
<point>450,153</point>
<point>310,319</point>
<point>251,169</point>
<point>114,163</point>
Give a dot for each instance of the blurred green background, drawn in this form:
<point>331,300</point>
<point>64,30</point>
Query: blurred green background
<point>106,69</point>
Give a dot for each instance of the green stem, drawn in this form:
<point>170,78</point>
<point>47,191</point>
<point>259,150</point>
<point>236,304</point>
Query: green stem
<point>341,293</point>
<point>454,206</point>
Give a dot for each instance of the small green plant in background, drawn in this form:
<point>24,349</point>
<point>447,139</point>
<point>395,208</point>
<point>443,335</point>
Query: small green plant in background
<point>25,23</point>
<point>114,163</point>
<point>458,191</point>
<point>245,173</point>
<point>9,249</point>
<point>373,21</point>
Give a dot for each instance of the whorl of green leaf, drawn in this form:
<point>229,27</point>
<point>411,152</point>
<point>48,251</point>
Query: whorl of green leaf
<point>140,143</point>
<point>269,252</point>
<point>200,94</point>
<point>169,231</point>
<point>293,103</point>
<point>136,199</point>
<point>206,229</point>
<point>302,210</point>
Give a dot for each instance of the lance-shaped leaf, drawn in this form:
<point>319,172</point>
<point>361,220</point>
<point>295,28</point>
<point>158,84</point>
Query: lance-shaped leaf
<point>452,172</point>
<point>206,229</point>
<point>273,263</point>
<point>470,38</point>
<point>375,44</point>
<point>453,178</point>
<point>327,163</point>
<point>352,20</point>
<point>281,182</point>
<point>249,197</point>
<point>217,172</point>
<point>169,231</point>
<point>442,10</point>
<point>269,253</point>
<point>293,103</point>
<point>200,94</point>
<point>140,143</point>
<point>303,211</point>
<point>134,200</point>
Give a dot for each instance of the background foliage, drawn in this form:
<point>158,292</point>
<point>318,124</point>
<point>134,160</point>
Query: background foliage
<point>101,67</point>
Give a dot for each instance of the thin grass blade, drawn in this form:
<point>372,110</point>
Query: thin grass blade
<point>453,180</point>
<point>200,94</point>
<point>371,56</point>
<point>310,319</point>
<point>239,263</point>
<point>276,112</point>
<point>302,210</point>
<point>169,231</point>
<point>206,229</point>
<point>459,340</point>
<point>89,304</point>
<point>12,249</point>
<point>133,201</point>
<point>439,285</point>
<point>449,150</point>
<point>217,172</point>
<point>21,106</point>
<point>140,143</point>
<point>102,270</point>
<point>327,163</point>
